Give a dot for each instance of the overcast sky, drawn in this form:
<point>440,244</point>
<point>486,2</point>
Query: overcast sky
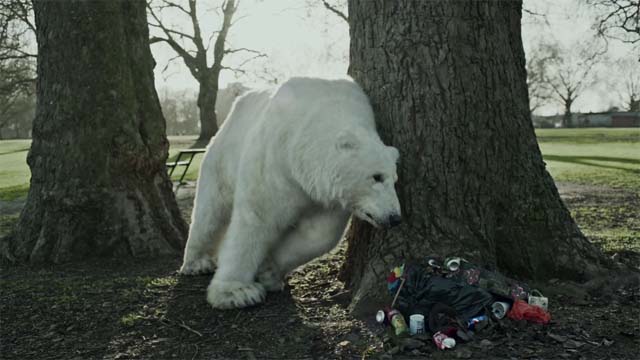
<point>303,40</point>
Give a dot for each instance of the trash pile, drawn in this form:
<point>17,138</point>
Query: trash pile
<point>450,301</point>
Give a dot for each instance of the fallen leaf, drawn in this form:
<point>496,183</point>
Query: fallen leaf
<point>558,338</point>
<point>573,344</point>
<point>486,343</point>
<point>410,344</point>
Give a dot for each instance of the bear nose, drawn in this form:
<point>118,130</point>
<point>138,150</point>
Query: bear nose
<point>394,220</point>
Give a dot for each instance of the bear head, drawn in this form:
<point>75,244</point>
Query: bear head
<point>364,178</point>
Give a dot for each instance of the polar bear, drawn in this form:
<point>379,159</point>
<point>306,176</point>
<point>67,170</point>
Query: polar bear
<point>278,184</point>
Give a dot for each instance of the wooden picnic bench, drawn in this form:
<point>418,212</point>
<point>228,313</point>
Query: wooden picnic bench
<point>188,154</point>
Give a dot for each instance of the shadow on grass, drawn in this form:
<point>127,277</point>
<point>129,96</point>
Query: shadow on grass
<point>15,192</point>
<point>589,161</point>
<point>15,151</point>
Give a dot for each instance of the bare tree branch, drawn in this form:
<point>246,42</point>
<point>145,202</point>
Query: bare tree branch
<point>618,19</point>
<point>172,31</point>
<point>334,10</point>
<point>228,9</point>
<point>231,51</point>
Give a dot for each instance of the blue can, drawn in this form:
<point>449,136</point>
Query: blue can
<point>477,322</point>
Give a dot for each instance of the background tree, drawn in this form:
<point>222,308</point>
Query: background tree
<point>17,68</point>
<point>618,19</point>
<point>538,59</point>
<point>194,50</point>
<point>180,112</point>
<point>630,70</point>
<point>473,183</point>
<point>99,185</point>
<point>569,72</point>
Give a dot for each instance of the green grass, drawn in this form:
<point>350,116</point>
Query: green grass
<point>15,173</point>
<point>184,142</point>
<point>589,135</point>
<point>609,157</point>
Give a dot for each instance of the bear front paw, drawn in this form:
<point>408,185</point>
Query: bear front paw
<point>198,267</point>
<point>233,294</point>
<point>271,280</point>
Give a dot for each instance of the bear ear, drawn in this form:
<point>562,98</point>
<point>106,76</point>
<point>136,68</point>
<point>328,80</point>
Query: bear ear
<point>394,153</point>
<point>347,141</point>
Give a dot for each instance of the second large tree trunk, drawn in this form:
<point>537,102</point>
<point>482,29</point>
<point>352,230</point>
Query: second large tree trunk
<point>207,106</point>
<point>448,85</point>
<point>99,185</point>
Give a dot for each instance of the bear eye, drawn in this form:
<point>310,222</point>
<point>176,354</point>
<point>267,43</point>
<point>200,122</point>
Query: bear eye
<point>378,178</point>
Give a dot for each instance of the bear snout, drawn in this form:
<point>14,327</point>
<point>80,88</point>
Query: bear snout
<point>394,220</point>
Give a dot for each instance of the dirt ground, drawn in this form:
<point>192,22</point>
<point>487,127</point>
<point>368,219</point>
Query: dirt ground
<point>123,309</point>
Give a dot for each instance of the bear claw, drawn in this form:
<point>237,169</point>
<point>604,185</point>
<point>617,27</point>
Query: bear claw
<point>197,267</point>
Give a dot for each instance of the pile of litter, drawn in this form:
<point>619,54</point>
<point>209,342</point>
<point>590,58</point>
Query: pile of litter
<point>448,302</point>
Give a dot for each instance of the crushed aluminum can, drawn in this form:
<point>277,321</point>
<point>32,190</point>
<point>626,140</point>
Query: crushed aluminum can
<point>442,341</point>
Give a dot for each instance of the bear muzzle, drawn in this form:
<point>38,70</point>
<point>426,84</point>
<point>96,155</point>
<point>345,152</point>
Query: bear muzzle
<point>393,220</point>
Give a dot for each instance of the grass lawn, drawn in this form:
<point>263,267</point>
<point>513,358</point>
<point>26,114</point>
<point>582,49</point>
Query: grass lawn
<point>598,156</point>
<point>14,171</point>
<point>15,174</point>
<point>609,157</point>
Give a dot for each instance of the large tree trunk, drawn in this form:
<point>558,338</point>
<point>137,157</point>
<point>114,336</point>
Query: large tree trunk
<point>448,85</point>
<point>99,185</point>
<point>207,106</point>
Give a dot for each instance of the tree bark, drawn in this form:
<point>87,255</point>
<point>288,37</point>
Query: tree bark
<point>447,82</point>
<point>99,185</point>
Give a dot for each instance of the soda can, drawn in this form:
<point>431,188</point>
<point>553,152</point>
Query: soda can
<point>477,322</point>
<point>453,264</point>
<point>500,309</point>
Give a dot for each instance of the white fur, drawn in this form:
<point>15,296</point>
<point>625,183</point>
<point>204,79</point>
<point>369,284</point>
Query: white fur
<point>278,183</point>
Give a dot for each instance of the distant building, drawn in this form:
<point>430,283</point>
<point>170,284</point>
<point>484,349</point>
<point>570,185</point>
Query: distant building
<point>609,119</point>
<point>599,119</point>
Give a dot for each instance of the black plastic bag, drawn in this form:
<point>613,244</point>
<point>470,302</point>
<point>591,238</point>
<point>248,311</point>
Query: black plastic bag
<point>423,289</point>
